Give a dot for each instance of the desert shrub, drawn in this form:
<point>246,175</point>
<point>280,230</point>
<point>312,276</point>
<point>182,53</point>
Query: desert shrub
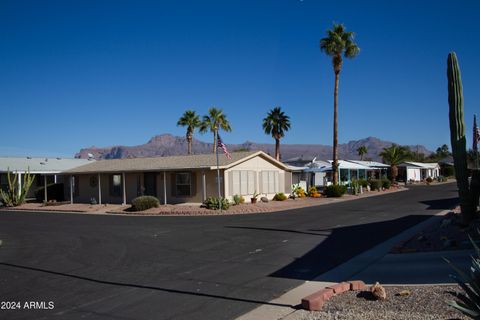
<point>429,180</point>
<point>375,184</point>
<point>335,190</point>
<point>237,199</point>
<point>55,191</point>
<point>280,197</point>
<point>214,203</point>
<point>386,184</point>
<point>354,187</point>
<point>441,179</point>
<point>144,202</point>
<point>363,183</point>
<point>312,190</point>
<point>300,192</point>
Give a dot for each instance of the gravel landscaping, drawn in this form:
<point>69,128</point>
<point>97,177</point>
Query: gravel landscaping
<point>196,209</point>
<point>423,303</point>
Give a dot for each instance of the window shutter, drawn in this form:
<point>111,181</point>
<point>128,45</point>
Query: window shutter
<point>243,182</point>
<point>277,182</point>
<point>235,177</point>
<point>231,183</point>
<point>251,182</point>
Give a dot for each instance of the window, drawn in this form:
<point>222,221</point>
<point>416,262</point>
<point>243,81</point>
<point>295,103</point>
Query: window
<point>270,182</point>
<point>116,185</point>
<point>183,184</point>
<point>243,182</point>
<point>3,181</point>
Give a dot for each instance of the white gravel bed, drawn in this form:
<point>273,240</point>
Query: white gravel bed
<point>423,303</point>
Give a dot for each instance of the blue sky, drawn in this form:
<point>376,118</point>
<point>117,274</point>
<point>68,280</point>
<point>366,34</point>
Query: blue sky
<point>80,73</point>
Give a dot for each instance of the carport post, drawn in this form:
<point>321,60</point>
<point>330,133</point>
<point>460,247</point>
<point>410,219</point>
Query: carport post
<point>99,190</point>
<point>71,189</point>
<point>19,184</point>
<point>124,189</point>
<point>204,186</point>
<point>45,187</point>
<point>164,187</point>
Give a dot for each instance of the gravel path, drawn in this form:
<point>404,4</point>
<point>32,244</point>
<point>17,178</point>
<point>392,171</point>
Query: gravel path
<point>423,303</point>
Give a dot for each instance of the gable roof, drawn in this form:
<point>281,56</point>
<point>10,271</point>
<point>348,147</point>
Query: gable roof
<point>422,165</point>
<point>371,164</point>
<point>197,161</point>
<point>40,165</point>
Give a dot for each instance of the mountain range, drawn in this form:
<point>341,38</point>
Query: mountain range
<point>169,145</point>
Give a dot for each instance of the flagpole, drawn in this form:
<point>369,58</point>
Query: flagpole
<point>218,169</point>
<point>475,137</point>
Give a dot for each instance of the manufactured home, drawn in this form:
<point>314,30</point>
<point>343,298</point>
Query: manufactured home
<point>179,179</point>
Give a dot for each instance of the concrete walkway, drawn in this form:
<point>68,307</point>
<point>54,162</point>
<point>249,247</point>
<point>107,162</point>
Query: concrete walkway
<point>374,265</point>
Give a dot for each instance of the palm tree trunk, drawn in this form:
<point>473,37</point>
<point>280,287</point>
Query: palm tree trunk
<point>189,142</point>
<point>214,142</point>
<point>277,149</point>
<point>335,130</point>
<point>394,172</point>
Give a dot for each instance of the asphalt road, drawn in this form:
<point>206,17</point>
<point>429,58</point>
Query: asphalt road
<point>215,267</point>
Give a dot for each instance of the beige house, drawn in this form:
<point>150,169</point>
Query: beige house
<point>178,179</point>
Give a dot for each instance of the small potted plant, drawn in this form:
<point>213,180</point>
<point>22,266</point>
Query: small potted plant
<point>254,197</point>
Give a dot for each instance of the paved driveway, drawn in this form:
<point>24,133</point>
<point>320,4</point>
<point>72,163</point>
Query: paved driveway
<point>215,267</point>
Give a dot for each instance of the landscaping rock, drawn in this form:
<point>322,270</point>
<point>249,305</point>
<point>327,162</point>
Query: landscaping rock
<point>264,199</point>
<point>378,291</point>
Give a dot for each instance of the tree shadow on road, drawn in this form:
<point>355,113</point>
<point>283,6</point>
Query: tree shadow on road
<point>140,286</point>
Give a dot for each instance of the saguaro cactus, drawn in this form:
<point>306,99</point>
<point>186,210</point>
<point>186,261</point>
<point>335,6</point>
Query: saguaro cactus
<point>457,136</point>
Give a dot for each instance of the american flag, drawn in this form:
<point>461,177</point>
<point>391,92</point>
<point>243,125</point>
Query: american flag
<point>476,134</point>
<point>222,145</point>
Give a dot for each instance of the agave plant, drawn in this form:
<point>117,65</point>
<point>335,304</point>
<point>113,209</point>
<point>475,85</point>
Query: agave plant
<point>469,301</point>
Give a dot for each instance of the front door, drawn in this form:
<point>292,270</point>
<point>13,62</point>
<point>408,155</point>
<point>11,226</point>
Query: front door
<point>150,180</point>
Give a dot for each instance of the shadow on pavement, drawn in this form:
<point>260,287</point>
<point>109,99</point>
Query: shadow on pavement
<point>441,204</point>
<point>342,244</point>
<point>140,286</point>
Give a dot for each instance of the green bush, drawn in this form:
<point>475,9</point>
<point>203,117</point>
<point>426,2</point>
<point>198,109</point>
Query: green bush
<point>144,202</point>
<point>441,179</point>
<point>375,184</point>
<point>55,191</point>
<point>429,180</point>
<point>280,197</point>
<point>363,183</point>
<point>237,199</point>
<point>214,203</point>
<point>386,184</point>
<point>335,190</point>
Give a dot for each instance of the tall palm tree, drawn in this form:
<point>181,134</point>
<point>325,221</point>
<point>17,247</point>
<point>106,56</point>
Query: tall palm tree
<point>337,43</point>
<point>362,151</point>
<point>214,121</point>
<point>192,121</point>
<point>393,156</point>
<point>276,123</point>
